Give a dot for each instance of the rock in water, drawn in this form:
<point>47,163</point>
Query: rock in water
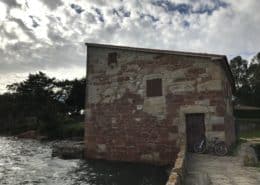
<point>68,150</point>
<point>30,134</point>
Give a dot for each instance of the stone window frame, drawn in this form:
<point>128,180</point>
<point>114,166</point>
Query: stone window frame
<point>154,87</point>
<point>208,111</point>
<point>151,77</point>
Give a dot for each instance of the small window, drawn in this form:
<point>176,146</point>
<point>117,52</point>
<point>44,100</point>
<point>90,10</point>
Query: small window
<point>154,87</point>
<point>112,59</point>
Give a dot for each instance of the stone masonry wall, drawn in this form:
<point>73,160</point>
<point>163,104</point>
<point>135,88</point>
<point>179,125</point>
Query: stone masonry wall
<point>229,117</point>
<point>123,124</point>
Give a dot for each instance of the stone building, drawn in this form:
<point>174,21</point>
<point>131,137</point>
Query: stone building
<point>142,104</point>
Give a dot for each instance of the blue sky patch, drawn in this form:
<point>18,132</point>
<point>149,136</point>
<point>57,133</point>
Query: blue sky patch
<point>185,8</point>
<point>35,24</point>
<point>169,6</point>
<point>151,17</point>
<point>209,10</point>
<point>78,9</point>
<point>121,12</point>
<point>186,24</point>
<point>100,15</point>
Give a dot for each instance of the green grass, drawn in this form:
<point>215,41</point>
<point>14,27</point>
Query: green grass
<point>250,134</point>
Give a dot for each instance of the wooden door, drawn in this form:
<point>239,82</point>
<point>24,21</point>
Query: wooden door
<point>195,129</point>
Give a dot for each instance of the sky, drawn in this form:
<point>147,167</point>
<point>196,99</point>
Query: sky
<point>49,35</point>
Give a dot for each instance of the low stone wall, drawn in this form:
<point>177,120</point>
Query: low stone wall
<point>248,154</point>
<point>177,173</point>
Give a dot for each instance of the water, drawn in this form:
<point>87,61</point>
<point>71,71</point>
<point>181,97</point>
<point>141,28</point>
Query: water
<point>29,162</point>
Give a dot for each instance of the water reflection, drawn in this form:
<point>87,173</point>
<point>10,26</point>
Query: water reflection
<point>28,162</point>
<point>101,172</point>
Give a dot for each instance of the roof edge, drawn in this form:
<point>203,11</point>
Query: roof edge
<point>150,50</point>
<point>230,75</point>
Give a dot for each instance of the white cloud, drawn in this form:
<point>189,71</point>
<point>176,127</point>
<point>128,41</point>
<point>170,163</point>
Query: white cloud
<point>3,11</point>
<point>50,35</point>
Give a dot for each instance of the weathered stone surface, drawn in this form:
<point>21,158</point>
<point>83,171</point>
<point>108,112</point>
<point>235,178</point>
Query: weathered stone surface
<point>181,87</point>
<point>174,179</point>
<point>213,134</point>
<point>204,102</point>
<point>124,124</point>
<point>178,172</point>
<point>102,148</point>
<point>212,85</point>
<point>218,127</point>
<point>217,119</point>
<point>248,155</point>
<point>155,106</point>
<point>150,157</point>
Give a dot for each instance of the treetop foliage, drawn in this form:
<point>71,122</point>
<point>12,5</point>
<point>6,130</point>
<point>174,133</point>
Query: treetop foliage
<point>247,80</point>
<point>42,102</point>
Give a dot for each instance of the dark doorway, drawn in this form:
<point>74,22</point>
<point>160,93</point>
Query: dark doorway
<point>195,129</point>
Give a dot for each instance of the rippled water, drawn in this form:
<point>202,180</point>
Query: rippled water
<point>29,162</point>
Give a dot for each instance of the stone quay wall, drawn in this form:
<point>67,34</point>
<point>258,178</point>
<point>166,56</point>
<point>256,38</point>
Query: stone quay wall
<point>177,173</point>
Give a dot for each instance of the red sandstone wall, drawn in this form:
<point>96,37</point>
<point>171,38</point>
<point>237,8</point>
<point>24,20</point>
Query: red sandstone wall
<point>123,124</point>
<point>229,117</point>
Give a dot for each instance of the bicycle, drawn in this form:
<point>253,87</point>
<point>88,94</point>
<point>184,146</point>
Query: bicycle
<point>215,145</point>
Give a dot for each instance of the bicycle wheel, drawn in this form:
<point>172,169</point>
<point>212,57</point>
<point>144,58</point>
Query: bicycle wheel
<point>199,147</point>
<point>221,149</point>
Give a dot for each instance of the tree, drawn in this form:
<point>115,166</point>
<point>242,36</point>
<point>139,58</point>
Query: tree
<point>247,80</point>
<point>36,85</point>
<point>254,77</point>
<point>72,93</point>
<point>36,98</point>
<point>76,98</point>
<point>239,68</point>
<point>43,103</point>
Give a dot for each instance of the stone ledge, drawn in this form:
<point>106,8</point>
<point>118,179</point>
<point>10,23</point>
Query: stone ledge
<point>177,173</point>
<point>174,179</point>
